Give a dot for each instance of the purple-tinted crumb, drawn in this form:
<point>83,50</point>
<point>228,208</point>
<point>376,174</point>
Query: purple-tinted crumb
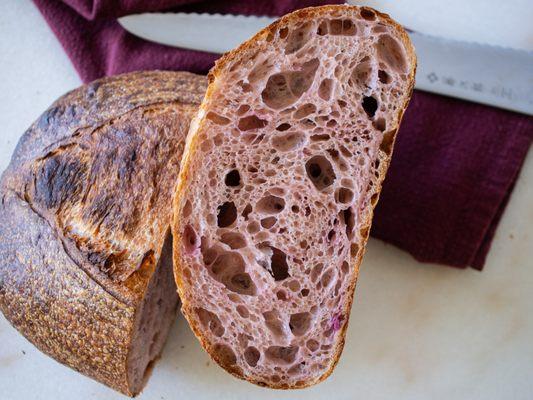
<point>336,321</point>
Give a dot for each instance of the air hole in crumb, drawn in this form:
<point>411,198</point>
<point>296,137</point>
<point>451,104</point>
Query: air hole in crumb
<point>320,137</point>
<point>298,38</point>
<point>320,172</point>
<point>362,73</point>
<point>304,110</point>
<point>270,205</point>
<point>283,89</point>
<point>344,195</point>
<point>251,122</point>
<point>354,249</point>
<point>251,355</point>
<point>227,214</point>
<point>217,119</point>
<point>228,268</point>
<point>274,323</point>
<point>316,271</point>
<point>300,323</point>
<point>277,191</point>
<point>305,292</point>
<point>345,267</point>
<point>368,14</point>
<point>384,77</point>
<point>269,222</point>
<point>386,143</point>
<point>279,266</point>
<point>312,345</point>
<point>224,354</point>
<point>346,153</point>
<point>322,28</point>
<point>243,311</point>
<point>233,178</point>
<point>342,27</point>
<point>294,285</point>
<point>295,209</point>
<point>247,210</point>
<point>253,227</point>
<point>190,239</point>
<point>391,53</point>
<point>349,220</point>
<point>296,369</point>
<point>370,105</point>
<point>281,354</point>
<point>288,141</point>
<point>209,255</point>
<point>210,320</point>
<point>242,283</point>
<point>283,127</point>
<point>328,278</point>
<point>281,295</point>
<point>233,239</point>
<point>374,199</point>
<point>325,89</point>
<point>243,109</point>
<point>283,32</point>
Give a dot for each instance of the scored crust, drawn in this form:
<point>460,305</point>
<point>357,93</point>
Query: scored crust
<point>228,269</point>
<point>85,250</point>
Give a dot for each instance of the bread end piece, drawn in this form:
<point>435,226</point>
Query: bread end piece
<point>85,207</point>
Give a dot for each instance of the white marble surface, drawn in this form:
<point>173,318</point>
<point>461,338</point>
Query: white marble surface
<point>417,331</point>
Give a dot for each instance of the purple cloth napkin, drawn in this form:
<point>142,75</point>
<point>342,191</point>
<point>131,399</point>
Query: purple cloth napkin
<point>454,165</point>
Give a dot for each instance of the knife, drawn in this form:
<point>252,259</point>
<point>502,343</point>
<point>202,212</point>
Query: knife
<point>492,75</point>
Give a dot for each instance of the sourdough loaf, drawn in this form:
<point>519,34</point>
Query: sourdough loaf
<point>85,249</point>
<point>282,169</point>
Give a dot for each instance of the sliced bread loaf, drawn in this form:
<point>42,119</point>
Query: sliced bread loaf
<point>282,169</point>
<point>85,208</point>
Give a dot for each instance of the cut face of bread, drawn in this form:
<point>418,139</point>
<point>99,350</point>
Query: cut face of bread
<point>281,173</point>
<point>85,208</point>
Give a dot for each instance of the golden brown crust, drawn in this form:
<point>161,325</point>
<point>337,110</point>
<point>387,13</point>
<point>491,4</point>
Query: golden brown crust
<point>84,207</point>
<point>233,58</point>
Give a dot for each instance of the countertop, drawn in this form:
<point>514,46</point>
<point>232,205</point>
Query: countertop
<point>417,331</point>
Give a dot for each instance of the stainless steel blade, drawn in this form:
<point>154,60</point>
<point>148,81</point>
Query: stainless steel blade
<point>214,33</point>
<point>496,76</point>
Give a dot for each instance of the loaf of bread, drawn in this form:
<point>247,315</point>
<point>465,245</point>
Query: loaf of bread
<point>282,169</point>
<point>86,203</point>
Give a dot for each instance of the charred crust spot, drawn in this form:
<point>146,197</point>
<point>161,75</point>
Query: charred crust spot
<point>58,180</point>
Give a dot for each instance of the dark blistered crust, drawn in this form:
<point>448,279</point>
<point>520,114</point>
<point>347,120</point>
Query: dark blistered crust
<point>233,58</point>
<point>97,168</point>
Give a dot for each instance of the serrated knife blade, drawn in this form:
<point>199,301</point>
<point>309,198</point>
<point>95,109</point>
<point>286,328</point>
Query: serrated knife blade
<point>497,76</point>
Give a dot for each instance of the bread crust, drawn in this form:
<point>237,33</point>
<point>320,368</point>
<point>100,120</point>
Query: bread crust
<point>70,208</point>
<point>233,57</point>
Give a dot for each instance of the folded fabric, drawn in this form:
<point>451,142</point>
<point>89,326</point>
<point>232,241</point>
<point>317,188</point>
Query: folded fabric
<point>454,165</point>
